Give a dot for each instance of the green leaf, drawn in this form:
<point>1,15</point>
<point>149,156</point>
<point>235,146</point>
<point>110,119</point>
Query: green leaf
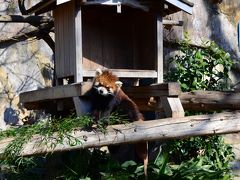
<point>126,164</point>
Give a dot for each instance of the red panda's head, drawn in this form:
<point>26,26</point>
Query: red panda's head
<point>106,83</point>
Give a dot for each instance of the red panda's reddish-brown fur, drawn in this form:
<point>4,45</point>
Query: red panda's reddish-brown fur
<point>105,104</point>
<point>107,79</point>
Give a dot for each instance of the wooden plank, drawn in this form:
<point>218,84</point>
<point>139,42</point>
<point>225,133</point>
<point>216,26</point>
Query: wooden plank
<point>79,89</point>
<point>65,40</point>
<point>35,99</point>
<point>197,100</point>
<point>78,45</point>
<point>65,36</point>
<point>156,90</point>
<point>172,22</point>
<point>125,73</point>
<point>58,92</point>
<point>163,129</point>
<point>159,49</point>
<point>59,48</point>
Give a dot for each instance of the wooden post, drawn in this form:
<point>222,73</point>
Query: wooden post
<point>172,106</point>
<point>159,49</point>
<point>78,44</point>
<point>81,106</point>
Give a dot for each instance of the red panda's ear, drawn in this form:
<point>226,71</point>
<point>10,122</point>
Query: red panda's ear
<point>118,84</point>
<point>98,72</point>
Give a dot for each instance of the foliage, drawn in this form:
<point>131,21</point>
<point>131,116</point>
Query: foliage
<point>205,68</point>
<point>53,131</point>
<point>209,155</point>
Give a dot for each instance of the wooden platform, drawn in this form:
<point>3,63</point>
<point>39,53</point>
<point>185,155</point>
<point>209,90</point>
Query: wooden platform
<point>65,97</point>
<point>54,93</point>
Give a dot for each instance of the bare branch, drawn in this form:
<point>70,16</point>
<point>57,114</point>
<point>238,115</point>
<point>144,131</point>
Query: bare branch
<point>26,19</point>
<point>41,32</point>
<point>35,9</point>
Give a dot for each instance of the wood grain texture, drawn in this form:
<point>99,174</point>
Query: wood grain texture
<point>79,89</point>
<point>65,39</point>
<point>58,92</point>
<point>162,129</point>
<point>210,100</point>
<point>159,49</point>
<point>172,107</point>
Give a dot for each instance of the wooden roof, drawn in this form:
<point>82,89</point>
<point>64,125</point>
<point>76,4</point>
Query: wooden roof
<point>171,5</point>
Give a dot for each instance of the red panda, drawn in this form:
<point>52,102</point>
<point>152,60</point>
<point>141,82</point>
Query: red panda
<point>107,96</point>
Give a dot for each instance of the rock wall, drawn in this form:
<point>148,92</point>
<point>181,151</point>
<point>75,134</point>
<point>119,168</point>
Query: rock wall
<point>215,21</point>
<point>24,66</point>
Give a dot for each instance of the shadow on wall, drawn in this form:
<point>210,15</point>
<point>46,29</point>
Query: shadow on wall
<point>11,116</point>
<point>218,34</point>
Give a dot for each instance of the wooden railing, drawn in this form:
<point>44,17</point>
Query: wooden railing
<point>161,129</point>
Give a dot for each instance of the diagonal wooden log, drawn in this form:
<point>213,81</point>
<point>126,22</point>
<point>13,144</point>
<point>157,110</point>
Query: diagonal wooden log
<point>163,129</point>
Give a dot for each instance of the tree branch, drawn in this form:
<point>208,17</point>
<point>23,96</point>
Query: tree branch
<point>40,33</point>
<point>37,20</point>
<point>36,8</point>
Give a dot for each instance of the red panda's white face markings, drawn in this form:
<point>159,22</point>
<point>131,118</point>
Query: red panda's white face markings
<point>106,83</point>
<point>103,89</point>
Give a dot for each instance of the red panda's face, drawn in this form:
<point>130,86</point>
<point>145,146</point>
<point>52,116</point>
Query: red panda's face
<point>106,83</point>
<point>104,90</point>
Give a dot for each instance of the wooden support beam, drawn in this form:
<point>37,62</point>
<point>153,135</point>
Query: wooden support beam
<point>156,90</point>
<point>159,37</point>
<point>172,106</point>
<point>78,75</point>
<point>82,106</point>
<point>31,99</point>
<point>163,129</point>
<point>196,100</point>
<point>172,23</point>
<point>54,93</point>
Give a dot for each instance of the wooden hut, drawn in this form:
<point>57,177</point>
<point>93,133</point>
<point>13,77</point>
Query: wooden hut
<point>123,35</point>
